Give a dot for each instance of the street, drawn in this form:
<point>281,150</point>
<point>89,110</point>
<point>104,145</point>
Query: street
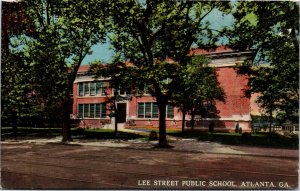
<point>76,166</point>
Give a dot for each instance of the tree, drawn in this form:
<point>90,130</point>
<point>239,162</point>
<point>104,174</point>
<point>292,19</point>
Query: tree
<point>198,86</point>
<point>14,88</point>
<point>146,33</point>
<point>15,73</point>
<point>64,32</point>
<point>272,28</point>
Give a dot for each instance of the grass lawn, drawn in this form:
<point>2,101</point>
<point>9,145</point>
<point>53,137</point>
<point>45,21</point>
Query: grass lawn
<point>149,129</point>
<point>6,132</point>
<point>259,140</point>
<point>106,134</point>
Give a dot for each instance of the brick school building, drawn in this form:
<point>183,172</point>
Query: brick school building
<point>90,96</point>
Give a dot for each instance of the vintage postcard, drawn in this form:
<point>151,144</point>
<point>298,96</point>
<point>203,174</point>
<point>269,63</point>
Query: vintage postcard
<point>141,94</point>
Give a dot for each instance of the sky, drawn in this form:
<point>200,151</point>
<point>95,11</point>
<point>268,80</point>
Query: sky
<point>99,52</point>
<point>104,53</point>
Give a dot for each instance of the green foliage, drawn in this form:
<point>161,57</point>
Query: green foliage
<point>15,86</point>
<point>146,33</point>
<point>247,139</point>
<point>198,87</point>
<point>63,34</point>
<point>15,72</point>
<point>149,32</point>
<point>272,28</point>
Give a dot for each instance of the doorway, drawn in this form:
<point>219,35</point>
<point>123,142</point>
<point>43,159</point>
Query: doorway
<point>121,114</point>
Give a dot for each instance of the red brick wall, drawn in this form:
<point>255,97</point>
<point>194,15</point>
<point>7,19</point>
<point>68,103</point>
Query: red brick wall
<point>236,105</point>
<point>234,86</point>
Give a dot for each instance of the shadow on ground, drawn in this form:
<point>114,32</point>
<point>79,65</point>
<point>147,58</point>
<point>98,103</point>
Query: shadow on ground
<point>99,134</point>
<point>246,139</point>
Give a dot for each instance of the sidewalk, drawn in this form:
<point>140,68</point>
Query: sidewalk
<point>179,145</point>
<point>192,145</point>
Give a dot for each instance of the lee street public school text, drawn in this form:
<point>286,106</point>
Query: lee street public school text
<point>186,183</point>
<point>211,183</point>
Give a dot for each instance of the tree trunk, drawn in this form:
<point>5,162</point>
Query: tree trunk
<point>270,122</point>
<point>192,119</point>
<point>183,121</point>
<point>116,127</point>
<point>14,123</point>
<point>162,125</point>
<point>116,119</point>
<point>66,121</point>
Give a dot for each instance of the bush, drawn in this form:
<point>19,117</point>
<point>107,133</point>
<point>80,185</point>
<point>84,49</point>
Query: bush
<point>211,127</point>
<point>237,128</point>
<point>240,130</point>
<point>246,135</point>
<point>274,135</point>
<point>153,136</point>
<point>80,130</point>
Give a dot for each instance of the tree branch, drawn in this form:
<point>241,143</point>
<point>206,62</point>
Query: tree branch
<point>40,18</point>
<point>140,44</point>
<point>193,31</point>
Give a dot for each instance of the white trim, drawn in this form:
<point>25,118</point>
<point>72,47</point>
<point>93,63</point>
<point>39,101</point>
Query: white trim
<point>89,96</point>
<point>202,119</point>
<point>153,119</point>
<point>224,119</point>
<point>89,79</point>
<point>93,118</point>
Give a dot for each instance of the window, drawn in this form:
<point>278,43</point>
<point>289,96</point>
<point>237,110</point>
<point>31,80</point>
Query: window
<point>91,88</point>
<point>92,111</point>
<point>101,88</point>
<point>155,110</point>
<point>141,111</point>
<point>122,91</point>
<point>80,89</point>
<point>80,110</point>
<point>150,110</point>
<point>103,110</point>
<point>170,111</point>
<point>86,108</point>
<point>97,110</point>
<point>86,89</point>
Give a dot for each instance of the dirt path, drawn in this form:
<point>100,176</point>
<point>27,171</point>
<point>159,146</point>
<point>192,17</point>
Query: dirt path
<point>74,166</point>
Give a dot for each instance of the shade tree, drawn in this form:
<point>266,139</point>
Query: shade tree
<point>147,33</point>
<point>197,89</point>
<point>272,28</point>
<point>64,32</point>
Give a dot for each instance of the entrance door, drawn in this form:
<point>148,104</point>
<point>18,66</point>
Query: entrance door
<point>121,114</point>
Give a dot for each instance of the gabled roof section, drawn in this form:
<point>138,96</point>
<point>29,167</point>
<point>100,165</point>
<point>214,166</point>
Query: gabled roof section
<point>219,49</point>
<point>221,56</point>
<point>83,68</point>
